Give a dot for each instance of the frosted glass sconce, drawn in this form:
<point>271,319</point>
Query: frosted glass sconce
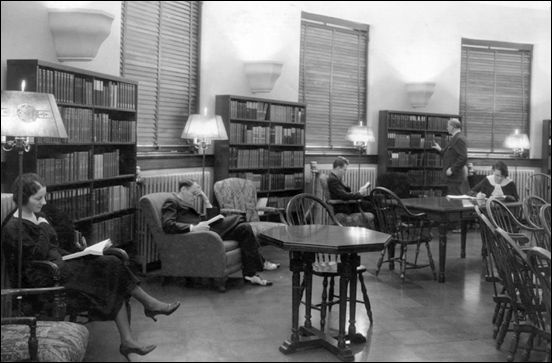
<point>78,33</point>
<point>419,93</point>
<point>262,75</point>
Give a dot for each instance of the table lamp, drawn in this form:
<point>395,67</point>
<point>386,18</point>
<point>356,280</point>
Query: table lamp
<point>25,115</point>
<point>517,142</point>
<point>360,136</point>
<point>203,130</point>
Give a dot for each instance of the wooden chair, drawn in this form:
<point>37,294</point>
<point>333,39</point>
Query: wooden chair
<point>494,274</point>
<point>308,209</point>
<point>531,209</point>
<point>539,185</point>
<point>501,216</point>
<point>544,215</point>
<point>526,294</point>
<point>405,227</point>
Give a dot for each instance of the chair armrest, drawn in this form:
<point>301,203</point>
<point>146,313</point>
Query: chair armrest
<point>33,340</point>
<point>226,211</point>
<point>20,320</point>
<point>51,268</point>
<point>32,291</point>
<point>270,209</point>
<point>118,252</point>
<point>339,201</point>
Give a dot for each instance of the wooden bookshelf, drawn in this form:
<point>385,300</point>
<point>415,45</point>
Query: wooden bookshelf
<point>405,140</point>
<point>266,145</point>
<point>91,174</point>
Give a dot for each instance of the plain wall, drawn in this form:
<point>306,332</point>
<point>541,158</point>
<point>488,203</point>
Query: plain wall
<point>409,41</point>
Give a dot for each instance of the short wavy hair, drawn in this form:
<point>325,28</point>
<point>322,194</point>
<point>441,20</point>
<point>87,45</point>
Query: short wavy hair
<point>29,183</point>
<point>501,165</point>
<point>340,162</point>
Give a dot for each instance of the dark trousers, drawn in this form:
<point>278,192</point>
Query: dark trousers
<point>234,227</point>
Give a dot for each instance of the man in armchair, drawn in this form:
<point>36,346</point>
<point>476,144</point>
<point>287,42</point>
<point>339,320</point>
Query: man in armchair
<point>180,216</point>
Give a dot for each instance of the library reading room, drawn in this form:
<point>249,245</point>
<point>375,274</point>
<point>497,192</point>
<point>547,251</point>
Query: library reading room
<point>276,181</point>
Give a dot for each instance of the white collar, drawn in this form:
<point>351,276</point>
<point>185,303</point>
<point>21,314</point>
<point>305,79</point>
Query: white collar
<point>504,182</point>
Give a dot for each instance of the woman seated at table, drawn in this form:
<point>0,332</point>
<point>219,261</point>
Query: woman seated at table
<point>496,185</point>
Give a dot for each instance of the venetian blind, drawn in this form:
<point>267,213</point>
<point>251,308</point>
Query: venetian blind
<point>332,80</point>
<point>494,92</point>
<point>160,50</point>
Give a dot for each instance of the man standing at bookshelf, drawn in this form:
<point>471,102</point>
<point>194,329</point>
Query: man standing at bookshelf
<point>180,216</point>
<point>455,158</point>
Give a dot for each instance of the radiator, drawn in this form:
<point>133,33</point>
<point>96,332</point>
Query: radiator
<point>146,251</point>
<point>521,176</point>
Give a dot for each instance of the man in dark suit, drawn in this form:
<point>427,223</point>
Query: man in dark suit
<point>180,216</point>
<point>338,190</point>
<point>455,158</point>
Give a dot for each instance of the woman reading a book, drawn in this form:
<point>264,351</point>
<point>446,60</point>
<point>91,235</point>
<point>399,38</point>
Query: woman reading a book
<point>497,185</point>
<point>105,281</point>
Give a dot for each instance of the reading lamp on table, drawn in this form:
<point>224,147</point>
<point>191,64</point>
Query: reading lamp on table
<point>360,136</point>
<point>203,130</point>
<point>26,115</point>
<point>518,142</point>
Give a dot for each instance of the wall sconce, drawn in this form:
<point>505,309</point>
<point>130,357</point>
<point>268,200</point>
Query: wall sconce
<point>262,75</point>
<point>78,33</point>
<point>419,93</point>
<point>517,142</point>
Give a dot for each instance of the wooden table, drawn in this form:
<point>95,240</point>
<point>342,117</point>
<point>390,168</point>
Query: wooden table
<point>443,210</point>
<point>303,242</point>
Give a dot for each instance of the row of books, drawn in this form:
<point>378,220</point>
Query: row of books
<point>106,165</point>
<point>63,167</point>
<point>108,130</point>
<point>268,181</point>
<point>263,111</point>
<point>431,138</point>
<point>114,198</point>
<point>264,158</point>
<point>419,122</point>
<point>70,88</point>
<point>278,202</point>
<point>415,140</point>
<point>247,134</point>
<point>84,126</point>
<point>76,203</point>
<point>402,159</point>
<point>120,230</point>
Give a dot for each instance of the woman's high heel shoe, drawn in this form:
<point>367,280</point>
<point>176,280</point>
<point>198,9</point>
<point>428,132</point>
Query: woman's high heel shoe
<point>125,351</point>
<point>168,311</point>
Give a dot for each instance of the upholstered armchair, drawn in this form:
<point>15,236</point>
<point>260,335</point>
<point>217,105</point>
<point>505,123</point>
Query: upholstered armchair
<point>239,196</point>
<point>192,254</point>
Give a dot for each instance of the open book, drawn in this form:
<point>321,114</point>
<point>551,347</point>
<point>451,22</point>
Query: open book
<point>214,219</point>
<point>95,249</point>
<point>464,196</point>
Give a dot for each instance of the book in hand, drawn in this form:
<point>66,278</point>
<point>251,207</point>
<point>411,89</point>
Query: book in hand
<point>95,249</point>
<point>214,219</point>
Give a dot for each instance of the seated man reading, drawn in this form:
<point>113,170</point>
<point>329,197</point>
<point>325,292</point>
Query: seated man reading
<point>338,190</point>
<point>180,216</point>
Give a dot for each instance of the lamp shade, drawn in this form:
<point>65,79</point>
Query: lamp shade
<point>517,141</point>
<point>419,93</point>
<point>31,114</point>
<point>78,33</point>
<point>360,135</point>
<point>262,75</point>
<point>204,128</point>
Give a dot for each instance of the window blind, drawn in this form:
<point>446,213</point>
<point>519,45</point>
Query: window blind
<point>160,50</point>
<point>332,80</point>
<point>494,92</point>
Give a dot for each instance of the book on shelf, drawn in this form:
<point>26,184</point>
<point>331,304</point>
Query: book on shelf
<point>96,249</point>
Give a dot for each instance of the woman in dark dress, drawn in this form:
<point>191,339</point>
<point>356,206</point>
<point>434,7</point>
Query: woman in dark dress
<point>497,185</point>
<point>104,281</point>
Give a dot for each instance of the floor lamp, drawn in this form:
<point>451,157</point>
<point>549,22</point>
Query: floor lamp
<point>360,136</point>
<point>203,130</point>
<point>26,115</point>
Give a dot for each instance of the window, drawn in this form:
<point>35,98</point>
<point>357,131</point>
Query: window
<point>332,79</point>
<point>160,49</point>
<point>494,92</point>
